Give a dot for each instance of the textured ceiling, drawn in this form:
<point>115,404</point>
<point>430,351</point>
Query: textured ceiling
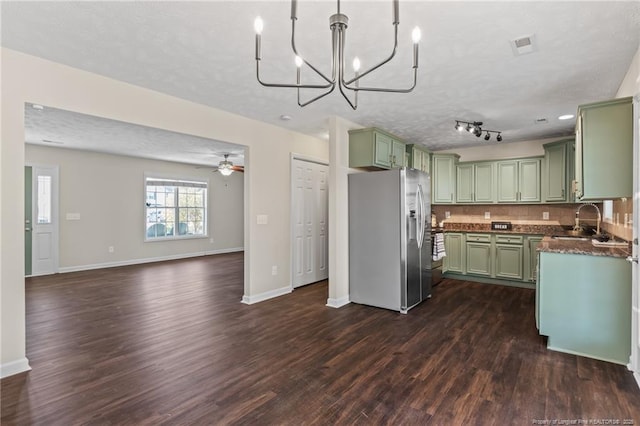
<point>204,52</point>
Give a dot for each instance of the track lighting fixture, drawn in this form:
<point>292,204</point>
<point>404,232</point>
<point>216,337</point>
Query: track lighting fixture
<point>475,128</point>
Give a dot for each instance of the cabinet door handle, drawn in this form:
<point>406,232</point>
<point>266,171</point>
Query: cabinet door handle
<point>562,196</point>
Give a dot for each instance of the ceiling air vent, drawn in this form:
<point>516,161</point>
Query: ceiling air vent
<point>523,45</point>
<point>541,121</point>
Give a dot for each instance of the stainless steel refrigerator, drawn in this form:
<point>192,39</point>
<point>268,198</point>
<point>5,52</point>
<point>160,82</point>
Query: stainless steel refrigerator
<point>390,238</point>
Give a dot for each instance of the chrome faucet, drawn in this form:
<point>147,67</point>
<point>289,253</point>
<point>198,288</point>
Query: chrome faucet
<point>599,217</point>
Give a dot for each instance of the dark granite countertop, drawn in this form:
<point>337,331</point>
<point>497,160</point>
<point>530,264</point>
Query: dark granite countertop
<point>545,228</point>
<point>574,246</point>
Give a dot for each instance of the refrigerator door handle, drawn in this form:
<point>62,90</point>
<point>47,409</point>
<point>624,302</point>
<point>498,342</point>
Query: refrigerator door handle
<point>420,217</point>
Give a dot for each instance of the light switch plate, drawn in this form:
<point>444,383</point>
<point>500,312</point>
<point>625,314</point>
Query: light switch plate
<point>447,215</point>
<point>545,215</point>
<point>73,216</point>
<point>487,215</point>
<point>263,219</point>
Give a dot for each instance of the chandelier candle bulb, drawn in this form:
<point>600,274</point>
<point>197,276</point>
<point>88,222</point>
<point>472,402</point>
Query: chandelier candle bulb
<point>258,26</point>
<point>396,12</point>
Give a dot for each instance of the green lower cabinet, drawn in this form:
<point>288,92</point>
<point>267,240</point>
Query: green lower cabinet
<point>584,305</point>
<point>454,261</point>
<point>479,258</point>
<point>509,261</point>
<point>531,257</point>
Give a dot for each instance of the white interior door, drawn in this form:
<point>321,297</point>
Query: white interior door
<point>309,213</point>
<point>45,220</point>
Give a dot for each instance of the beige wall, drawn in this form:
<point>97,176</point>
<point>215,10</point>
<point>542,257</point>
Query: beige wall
<point>502,151</point>
<point>108,193</point>
<point>266,183</point>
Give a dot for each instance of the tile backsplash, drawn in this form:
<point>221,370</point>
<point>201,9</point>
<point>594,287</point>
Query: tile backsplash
<point>622,208</point>
<point>564,214</point>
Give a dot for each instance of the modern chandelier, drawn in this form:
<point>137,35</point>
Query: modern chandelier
<point>475,129</point>
<point>338,23</point>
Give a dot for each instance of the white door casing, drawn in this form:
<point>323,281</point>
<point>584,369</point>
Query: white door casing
<point>309,213</point>
<point>45,220</point>
<point>635,268</point>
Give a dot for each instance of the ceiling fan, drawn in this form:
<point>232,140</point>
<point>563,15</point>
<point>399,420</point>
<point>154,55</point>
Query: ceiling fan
<point>226,167</point>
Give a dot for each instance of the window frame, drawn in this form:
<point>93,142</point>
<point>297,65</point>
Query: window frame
<point>177,178</point>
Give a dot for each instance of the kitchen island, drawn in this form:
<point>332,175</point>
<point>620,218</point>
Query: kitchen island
<point>583,299</point>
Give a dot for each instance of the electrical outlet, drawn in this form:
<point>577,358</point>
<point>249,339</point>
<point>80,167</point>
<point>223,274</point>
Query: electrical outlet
<point>447,215</point>
<point>274,270</point>
<point>111,249</point>
<point>545,215</point>
<point>487,215</point>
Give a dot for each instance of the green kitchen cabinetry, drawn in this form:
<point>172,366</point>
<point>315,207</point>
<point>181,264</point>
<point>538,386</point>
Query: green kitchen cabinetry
<point>531,257</point>
<point>584,305</point>
<point>509,259</point>
<point>454,261</point>
<point>519,181</point>
<point>479,254</point>
<point>557,173</point>
<point>475,182</point>
<point>419,157</point>
<point>604,150</point>
<point>499,258</point>
<point>443,178</point>
<point>375,148</point>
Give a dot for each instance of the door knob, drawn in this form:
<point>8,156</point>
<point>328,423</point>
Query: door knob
<point>632,259</point>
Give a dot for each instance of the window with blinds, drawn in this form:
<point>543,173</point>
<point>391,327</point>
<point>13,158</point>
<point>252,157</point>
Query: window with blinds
<point>175,208</point>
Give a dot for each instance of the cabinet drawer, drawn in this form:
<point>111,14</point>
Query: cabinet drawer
<point>480,238</point>
<point>509,239</point>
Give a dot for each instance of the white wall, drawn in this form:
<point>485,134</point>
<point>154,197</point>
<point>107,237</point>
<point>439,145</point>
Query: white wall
<point>266,182</point>
<point>630,85</point>
<point>108,193</point>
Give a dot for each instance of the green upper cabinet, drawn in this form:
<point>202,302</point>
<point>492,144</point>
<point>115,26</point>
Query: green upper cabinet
<point>475,182</point>
<point>557,172</point>
<point>519,181</point>
<point>418,157</point>
<point>443,178</point>
<point>375,148</point>
<point>604,150</point>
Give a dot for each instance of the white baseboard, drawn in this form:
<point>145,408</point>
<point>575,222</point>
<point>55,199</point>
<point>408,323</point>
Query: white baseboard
<point>250,300</point>
<point>338,303</point>
<point>146,260</point>
<point>14,367</point>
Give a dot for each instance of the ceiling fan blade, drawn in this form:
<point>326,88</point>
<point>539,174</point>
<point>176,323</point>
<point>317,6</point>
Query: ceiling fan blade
<point>238,169</point>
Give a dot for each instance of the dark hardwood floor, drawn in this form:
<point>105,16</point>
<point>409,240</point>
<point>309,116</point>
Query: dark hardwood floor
<point>170,343</point>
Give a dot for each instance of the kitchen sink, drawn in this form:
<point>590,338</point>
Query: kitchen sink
<point>571,237</point>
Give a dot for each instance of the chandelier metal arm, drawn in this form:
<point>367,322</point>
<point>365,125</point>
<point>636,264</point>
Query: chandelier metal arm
<point>303,104</point>
<point>289,85</point>
<point>295,51</point>
<point>383,89</point>
<point>375,67</point>
<point>339,39</point>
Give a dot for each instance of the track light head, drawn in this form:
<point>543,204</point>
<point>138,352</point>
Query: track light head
<point>459,127</point>
<point>478,132</point>
<point>499,137</point>
<point>470,128</point>
<point>487,136</point>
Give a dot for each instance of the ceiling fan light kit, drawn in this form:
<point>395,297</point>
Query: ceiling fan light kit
<point>338,23</point>
<point>475,128</point>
